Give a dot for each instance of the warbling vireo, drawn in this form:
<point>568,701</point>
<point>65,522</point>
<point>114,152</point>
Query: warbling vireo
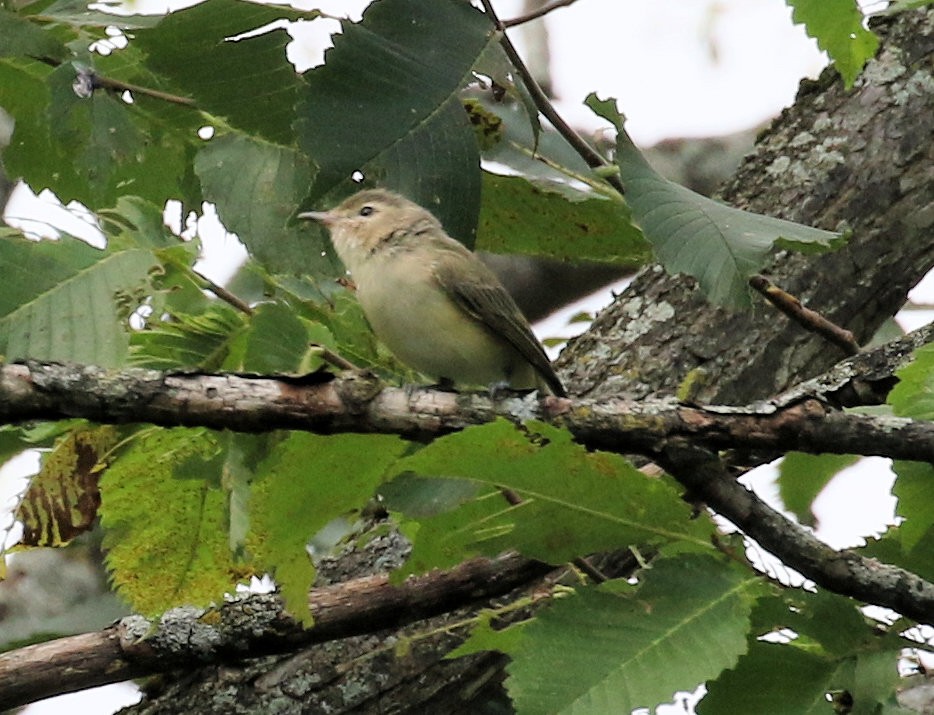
<point>429,299</point>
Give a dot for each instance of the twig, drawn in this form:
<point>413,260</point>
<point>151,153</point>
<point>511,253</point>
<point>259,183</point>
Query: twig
<point>535,14</point>
<point>224,294</point>
<point>809,319</point>
<point>355,402</point>
<point>118,86</point>
<point>544,105</point>
<point>331,357</point>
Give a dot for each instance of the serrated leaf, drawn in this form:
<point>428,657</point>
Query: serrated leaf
<point>277,341</point>
<point>914,488</point>
<point>838,27</point>
<point>166,538</point>
<point>717,244</point>
<point>306,482</point>
<point>913,396</point>
<point>518,216</point>
<point>386,102</point>
<point>247,80</point>
<point>575,502</point>
<point>801,477</point>
<point>189,341</point>
<point>257,187</point>
<point>772,679</point>
<point>64,300</point>
<point>62,499</point>
<point>602,651</point>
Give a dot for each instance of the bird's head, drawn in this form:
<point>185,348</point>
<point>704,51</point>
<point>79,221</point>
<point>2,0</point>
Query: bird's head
<point>361,224</point>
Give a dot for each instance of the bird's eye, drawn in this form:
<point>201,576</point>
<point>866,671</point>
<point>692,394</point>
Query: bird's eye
<point>366,211</point>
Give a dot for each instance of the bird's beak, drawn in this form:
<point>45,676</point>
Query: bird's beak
<point>325,217</point>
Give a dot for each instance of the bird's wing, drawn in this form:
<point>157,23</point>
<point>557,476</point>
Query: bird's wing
<point>488,302</point>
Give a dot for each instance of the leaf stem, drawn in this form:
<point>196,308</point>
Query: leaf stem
<point>537,13</point>
<point>544,105</point>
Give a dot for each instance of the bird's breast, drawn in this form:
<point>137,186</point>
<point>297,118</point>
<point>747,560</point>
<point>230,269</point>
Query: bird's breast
<point>425,328</point>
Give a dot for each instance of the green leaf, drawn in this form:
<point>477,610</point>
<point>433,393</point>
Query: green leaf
<point>19,36</point>
<point>111,149</point>
<point>914,487</point>
<point>606,651</point>
<point>247,80</point>
<point>518,216</point>
<point>165,537</point>
<point>575,502</point>
<point>801,477</point>
<point>838,27</point>
<point>277,341</point>
<point>544,158</point>
<point>306,482</point>
<point>386,102</point>
<point>32,154</point>
<point>889,549</point>
<point>913,396</point>
<point>257,187</point>
<point>772,679</point>
<point>64,300</point>
<point>188,341</point>
<point>718,245</point>
<point>77,14</point>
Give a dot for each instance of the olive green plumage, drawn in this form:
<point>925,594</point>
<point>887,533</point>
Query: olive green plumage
<point>433,303</point>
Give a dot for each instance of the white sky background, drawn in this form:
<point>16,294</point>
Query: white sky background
<point>678,68</point>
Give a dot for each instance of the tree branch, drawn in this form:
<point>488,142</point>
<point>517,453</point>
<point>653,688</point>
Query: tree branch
<point>802,420</point>
<point>809,319</point>
<point>844,572</point>
<point>249,627</point>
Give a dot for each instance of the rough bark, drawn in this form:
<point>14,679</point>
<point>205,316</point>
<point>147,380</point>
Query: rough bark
<point>860,157</point>
<point>855,158</point>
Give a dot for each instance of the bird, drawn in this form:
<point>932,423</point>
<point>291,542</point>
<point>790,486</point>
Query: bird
<point>430,300</point>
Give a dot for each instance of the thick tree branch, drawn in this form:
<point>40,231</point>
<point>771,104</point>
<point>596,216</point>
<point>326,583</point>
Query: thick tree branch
<point>802,420</point>
<point>249,627</point>
<point>844,572</point>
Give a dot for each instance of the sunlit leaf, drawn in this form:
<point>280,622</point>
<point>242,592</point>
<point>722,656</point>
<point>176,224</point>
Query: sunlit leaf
<point>839,28</point>
<point>166,536</point>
